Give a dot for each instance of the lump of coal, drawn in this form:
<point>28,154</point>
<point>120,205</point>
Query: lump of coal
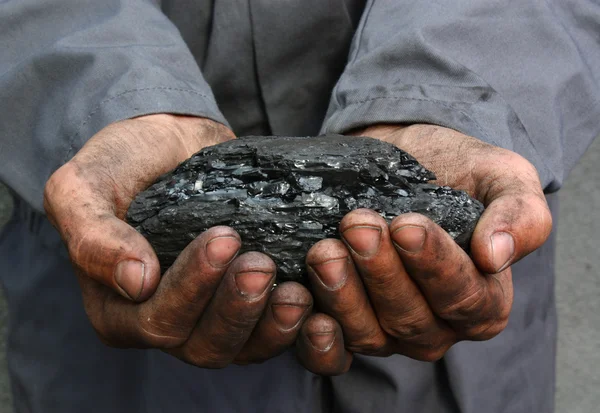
<point>284,194</point>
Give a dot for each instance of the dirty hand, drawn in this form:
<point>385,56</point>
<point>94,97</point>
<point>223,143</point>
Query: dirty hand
<point>210,308</point>
<point>407,288</point>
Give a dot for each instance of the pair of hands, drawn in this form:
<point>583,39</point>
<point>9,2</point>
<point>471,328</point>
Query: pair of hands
<point>404,288</point>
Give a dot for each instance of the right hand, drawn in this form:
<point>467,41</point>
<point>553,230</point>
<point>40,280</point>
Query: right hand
<point>210,308</point>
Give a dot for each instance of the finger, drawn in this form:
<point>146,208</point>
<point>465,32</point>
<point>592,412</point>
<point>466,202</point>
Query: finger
<point>169,316</point>
<point>232,314</point>
<point>289,305</point>
<point>516,221</point>
<point>477,306</point>
<point>320,346</point>
<point>340,293</point>
<point>401,308</point>
<point>86,198</point>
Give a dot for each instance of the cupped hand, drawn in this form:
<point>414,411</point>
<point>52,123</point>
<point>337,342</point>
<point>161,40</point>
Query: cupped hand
<point>212,307</point>
<point>407,288</point>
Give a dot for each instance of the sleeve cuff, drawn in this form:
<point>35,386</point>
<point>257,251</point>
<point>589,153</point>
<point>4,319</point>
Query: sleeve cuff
<point>139,102</point>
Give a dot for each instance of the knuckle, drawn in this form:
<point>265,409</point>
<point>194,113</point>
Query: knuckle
<point>543,218</point>
<point>488,187</point>
<point>204,359</point>
<point>190,293</point>
<point>53,183</point>
<point>405,331</point>
<point>433,354</point>
<point>461,308</point>
<point>507,171</point>
<point>76,247</point>
<point>154,332</point>
<point>546,220</point>
<point>49,191</point>
<point>59,183</point>
<point>408,327</point>
<point>536,203</point>
<point>233,324</point>
<point>535,218</point>
<point>87,252</point>
<point>384,281</point>
<point>521,163</point>
<point>346,368</point>
<point>518,164</point>
<point>430,350</point>
<point>374,344</point>
<point>234,329</point>
<point>486,331</point>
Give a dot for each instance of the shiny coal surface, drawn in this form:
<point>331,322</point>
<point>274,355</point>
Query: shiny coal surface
<point>283,194</point>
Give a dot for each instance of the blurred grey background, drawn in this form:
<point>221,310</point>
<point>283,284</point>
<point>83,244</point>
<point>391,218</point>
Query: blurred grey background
<point>578,291</point>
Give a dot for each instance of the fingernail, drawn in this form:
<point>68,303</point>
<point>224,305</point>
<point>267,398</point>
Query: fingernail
<point>409,238</point>
<point>363,239</point>
<point>129,275</point>
<point>253,284</point>
<point>332,273</point>
<point>322,341</point>
<point>503,248</point>
<point>220,251</point>
<point>287,316</point>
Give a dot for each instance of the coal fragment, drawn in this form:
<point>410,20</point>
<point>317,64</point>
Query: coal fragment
<point>283,194</point>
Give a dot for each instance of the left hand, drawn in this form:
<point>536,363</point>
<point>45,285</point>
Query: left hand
<point>407,288</point>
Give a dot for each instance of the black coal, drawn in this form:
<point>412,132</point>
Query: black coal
<point>283,194</point>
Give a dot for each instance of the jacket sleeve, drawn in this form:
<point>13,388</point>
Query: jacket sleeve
<point>522,75</point>
<point>70,67</point>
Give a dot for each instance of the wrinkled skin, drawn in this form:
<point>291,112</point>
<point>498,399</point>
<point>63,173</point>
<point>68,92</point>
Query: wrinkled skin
<point>212,307</point>
<point>406,288</point>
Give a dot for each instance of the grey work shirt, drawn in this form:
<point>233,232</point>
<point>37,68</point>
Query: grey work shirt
<point>518,74</point>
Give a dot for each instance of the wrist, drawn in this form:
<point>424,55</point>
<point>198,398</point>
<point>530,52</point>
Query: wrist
<point>191,132</point>
<point>390,133</point>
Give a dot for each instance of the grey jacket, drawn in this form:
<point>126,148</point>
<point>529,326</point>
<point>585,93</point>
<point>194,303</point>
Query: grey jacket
<point>522,74</point>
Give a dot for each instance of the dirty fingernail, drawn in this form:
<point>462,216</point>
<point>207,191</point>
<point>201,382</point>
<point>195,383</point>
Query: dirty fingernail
<point>409,238</point>
<point>220,251</point>
<point>129,275</point>
<point>363,239</point>
<point>503,248</point>
<point>322,341</point>
<point>332,273</point>
<point>288,316</point>
<point>253,284</point>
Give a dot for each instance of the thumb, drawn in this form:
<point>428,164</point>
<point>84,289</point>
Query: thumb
<point>87,198</point>
<point>516,221</point>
